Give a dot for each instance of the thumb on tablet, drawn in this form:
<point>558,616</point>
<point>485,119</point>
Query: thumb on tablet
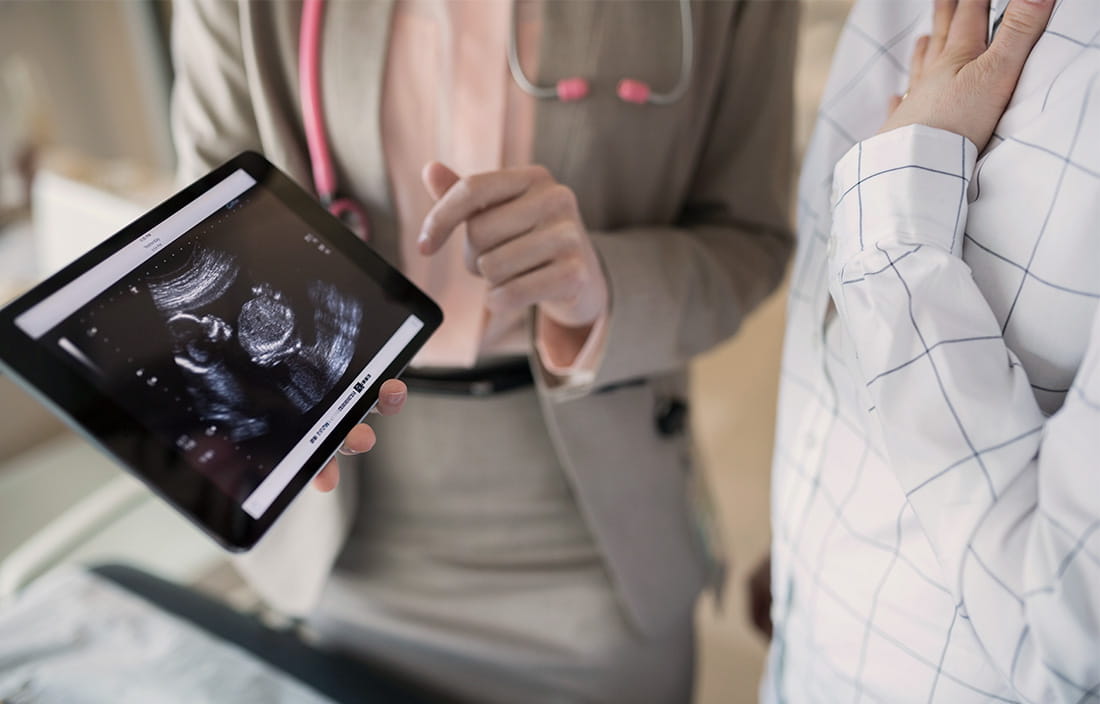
<point>437,178</point>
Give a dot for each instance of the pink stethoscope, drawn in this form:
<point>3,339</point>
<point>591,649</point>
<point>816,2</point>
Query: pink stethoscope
<point>567,90</point>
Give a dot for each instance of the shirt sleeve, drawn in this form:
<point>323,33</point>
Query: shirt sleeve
<point>1009,499</point>
<point>581,369</point>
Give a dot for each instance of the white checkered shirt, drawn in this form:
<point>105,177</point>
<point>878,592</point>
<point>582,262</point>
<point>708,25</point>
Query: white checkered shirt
<point>936,489</point>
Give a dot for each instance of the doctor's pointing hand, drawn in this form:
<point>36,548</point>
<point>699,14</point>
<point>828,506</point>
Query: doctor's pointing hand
<point>525,237</point>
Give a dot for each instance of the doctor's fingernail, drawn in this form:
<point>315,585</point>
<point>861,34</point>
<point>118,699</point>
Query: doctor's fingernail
<point>347,451</point>
<point>393,398</point>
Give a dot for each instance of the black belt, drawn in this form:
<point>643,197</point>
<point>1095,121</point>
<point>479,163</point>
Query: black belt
<point>508,375</point>
<point>485,380</point>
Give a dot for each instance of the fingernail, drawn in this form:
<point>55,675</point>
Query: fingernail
<point>347,451</point>
<point>422,239</point>
<point>394,398</point>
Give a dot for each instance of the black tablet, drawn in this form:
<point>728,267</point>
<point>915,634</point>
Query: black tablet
<point>221,346</point>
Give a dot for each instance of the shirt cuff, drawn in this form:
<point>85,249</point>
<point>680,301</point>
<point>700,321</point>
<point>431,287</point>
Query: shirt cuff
<point>903,187</point>
<point>582,370</point>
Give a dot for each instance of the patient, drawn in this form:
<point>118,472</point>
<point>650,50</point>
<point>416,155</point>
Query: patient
<point>936,493</point>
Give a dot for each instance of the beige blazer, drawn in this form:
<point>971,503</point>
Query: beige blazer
<point>687,205</point>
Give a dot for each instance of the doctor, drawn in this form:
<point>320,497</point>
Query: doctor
<point>594,193</point>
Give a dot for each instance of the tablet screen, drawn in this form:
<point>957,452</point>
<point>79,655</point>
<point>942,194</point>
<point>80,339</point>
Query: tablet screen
<point>234,331</point>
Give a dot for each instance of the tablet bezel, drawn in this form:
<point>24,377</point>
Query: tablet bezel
<point>118,433</point>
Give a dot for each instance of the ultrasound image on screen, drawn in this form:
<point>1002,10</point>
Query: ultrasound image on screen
<point>232,340</point>
<point>304,348</point>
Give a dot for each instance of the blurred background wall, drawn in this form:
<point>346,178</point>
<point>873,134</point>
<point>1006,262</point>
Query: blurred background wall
<point>85,83</point>
<point>84,88</point>
<point>100,73</point>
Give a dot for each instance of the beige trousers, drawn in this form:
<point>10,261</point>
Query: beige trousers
<point>471,568</point>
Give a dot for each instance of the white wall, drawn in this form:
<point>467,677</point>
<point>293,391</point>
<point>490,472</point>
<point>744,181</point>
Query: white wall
<point>101,73</point>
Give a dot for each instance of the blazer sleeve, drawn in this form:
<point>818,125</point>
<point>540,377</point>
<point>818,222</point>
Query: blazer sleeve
<point>679,290</point>
<point>212,115</point>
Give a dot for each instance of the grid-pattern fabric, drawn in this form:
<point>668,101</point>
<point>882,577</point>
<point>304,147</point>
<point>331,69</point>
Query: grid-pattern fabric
<point>936,486</point>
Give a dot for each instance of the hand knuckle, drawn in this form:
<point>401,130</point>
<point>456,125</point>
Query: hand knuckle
<point>1020,24</point>
<point>574,274</point>
<point>995,75</point>
<point>955,56</point>
<point>470,188</point>
<point>538,172</point>
<point>564,236</point>
<point>561,198</point>
<point>486,265</point>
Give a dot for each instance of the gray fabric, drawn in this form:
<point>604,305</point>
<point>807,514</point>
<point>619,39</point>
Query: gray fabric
<point>471,567</point>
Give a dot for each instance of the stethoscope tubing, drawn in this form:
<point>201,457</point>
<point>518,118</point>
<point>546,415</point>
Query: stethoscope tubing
<point>348,210</point>
<point>687,57</point>
<point>309,78</point>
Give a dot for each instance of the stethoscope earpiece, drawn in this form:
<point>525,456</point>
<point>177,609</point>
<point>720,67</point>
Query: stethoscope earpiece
<point>632,91</point>
<point>570,90</point>
<point>629,90</point>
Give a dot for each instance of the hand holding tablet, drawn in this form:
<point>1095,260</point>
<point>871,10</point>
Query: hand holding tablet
<point>391,397</point>
<point>222,346</point>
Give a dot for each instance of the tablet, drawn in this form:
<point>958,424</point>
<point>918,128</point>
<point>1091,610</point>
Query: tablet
<point>221,346</point>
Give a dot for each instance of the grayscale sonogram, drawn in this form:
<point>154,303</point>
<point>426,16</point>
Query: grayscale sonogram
<point>303,347</point>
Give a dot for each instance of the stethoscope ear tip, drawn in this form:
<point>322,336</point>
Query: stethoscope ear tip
<point>572,89</point>
<point>632,91</point>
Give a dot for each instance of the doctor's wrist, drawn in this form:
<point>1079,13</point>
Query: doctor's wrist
<point>570,351</point>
